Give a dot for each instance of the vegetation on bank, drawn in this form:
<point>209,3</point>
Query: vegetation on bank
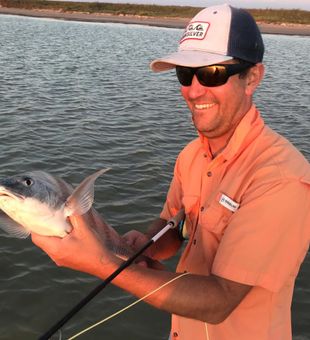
<point>293,16</point>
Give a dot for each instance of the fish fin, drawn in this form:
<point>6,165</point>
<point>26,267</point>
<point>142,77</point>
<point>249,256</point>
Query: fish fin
<point>82,198</point>
<point>12,228</point>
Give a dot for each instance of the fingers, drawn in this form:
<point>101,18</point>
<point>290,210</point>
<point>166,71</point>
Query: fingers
<point>135,239</point>
<point>49,244</point>
<point>58,248</point>
<point>83,225</point>
<point>79,222</point>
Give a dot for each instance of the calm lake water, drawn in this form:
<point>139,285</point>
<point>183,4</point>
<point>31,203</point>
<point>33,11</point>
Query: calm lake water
<point>77,97</point>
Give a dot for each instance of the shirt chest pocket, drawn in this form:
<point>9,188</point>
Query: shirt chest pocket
<point>215,218</point>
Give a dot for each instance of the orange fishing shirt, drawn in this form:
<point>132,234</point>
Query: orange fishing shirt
<point>248,220</point>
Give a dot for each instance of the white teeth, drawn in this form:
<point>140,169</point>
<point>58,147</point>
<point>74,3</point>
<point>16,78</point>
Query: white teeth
<point>204,106</point>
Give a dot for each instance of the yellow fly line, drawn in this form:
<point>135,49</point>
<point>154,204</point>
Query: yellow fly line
<point>125,308</point>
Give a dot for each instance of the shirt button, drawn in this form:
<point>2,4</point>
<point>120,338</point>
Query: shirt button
<point>202,208</point>
<point>194,242</point>
<point>175,334</point>
<point>209,173</point>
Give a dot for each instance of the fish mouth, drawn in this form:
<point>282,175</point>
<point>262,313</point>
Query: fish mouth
<point>7,193</point>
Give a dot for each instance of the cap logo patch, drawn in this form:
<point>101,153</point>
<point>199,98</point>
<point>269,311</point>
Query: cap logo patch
<point>195,30</point>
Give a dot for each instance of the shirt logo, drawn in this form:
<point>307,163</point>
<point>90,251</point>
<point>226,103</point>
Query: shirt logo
<point>195,30</point>
<point>228,203</point>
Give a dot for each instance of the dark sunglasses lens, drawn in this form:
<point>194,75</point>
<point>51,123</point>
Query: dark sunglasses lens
<point>208,76</point>
<point>185,75</point>
<point>212,75</point>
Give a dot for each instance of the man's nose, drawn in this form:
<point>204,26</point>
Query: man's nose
<point>196,89</point>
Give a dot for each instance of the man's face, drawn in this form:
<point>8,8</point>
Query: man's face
<point>216,111</point>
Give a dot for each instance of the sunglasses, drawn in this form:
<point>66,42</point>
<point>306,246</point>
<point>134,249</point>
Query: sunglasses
<point>211,76</point>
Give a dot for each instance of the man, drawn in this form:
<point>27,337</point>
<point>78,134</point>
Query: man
<point>245,191</point>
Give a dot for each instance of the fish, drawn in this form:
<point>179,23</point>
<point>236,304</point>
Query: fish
<point>38,202</point>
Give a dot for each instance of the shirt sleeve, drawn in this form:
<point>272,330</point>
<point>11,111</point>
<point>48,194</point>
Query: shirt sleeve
<point>267,238</point>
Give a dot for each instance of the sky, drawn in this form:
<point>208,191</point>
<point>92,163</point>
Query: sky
<point>287,4</point>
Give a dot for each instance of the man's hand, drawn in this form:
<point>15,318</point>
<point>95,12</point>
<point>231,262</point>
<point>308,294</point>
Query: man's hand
<point>135,239</point>
<point>163,248</point>
<point>82,249</point>
<point>211,298</point>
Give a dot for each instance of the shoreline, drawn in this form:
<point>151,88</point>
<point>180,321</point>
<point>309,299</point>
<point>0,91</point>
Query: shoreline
<point>283,29</point>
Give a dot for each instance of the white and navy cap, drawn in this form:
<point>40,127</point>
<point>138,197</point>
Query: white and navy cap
<point>214,35</point>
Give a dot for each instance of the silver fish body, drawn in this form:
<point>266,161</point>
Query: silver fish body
<point>38,202</point>
<point>41,203</point>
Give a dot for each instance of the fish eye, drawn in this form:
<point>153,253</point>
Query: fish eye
<point>28,182</point>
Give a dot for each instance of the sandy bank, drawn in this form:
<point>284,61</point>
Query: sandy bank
<point>286,29</point>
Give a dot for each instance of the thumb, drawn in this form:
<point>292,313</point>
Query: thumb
<point>80,222</point>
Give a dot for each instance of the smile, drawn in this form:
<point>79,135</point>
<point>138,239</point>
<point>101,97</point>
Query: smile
<point>204,106</point>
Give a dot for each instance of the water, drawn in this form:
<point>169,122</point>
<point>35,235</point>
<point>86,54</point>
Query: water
<point>77,97</point>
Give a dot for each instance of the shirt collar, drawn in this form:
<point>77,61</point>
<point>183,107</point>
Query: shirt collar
<point>247,130</point>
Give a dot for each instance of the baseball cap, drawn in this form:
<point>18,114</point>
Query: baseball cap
<point>216,34</point>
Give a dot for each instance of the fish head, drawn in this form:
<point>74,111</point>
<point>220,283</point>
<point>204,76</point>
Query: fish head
<point>39,202</point>
<point>37,185</point>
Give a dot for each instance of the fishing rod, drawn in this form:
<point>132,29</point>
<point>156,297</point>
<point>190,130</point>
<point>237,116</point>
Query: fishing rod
<point>171,224</point>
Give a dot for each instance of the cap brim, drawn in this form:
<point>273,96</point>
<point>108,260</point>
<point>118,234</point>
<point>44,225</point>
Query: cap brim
<point>187,58</point>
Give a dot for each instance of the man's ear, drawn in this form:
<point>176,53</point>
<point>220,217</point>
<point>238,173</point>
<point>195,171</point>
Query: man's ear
<point>254,77</point>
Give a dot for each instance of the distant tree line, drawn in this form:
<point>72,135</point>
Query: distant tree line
<point>261,15</point>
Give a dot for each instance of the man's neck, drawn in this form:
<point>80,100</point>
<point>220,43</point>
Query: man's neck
<point>217,145</point>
